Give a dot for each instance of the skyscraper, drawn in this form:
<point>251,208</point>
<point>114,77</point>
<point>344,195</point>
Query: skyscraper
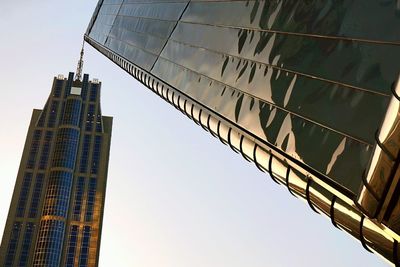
<point>307,90</point>
<point>56,212</point>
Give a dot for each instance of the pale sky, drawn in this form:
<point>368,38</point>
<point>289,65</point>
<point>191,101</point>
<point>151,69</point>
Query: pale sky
<point>176,196</point>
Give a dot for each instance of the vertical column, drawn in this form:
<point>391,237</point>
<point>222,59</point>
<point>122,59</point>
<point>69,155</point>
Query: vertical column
<point>50,239</point>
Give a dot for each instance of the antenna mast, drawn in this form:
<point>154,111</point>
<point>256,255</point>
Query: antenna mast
<point>79,68</point>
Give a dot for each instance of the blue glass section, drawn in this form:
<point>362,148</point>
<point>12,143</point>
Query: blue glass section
<point>58,193</point>
<point>93,92</point>
<point>96,155</point>
<point>83,258</point>
<point>37,192</point>
<point>66,148</point>
<point>44,157</point>
<point>34,149</point>
<point>79,191</point>
<point>99,124</point>
<point>85,154</point>
<point>72,112</point>
<point>49,244</point>
<point>26,244</point>
<point>82,117</point>
<point>53,114</point>
<point>69,84</point>
<point>12,245</point>
<point>23,195</point>
<point>72,244</point>
<point>58,88</point>
<point>85,83</point>
<point>90,118</point>
<point>91,198</point>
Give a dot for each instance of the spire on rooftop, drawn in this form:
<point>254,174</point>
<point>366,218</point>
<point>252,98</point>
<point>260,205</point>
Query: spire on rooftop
<point>79,68</point>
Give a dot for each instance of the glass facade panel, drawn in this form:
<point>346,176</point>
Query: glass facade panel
<point>65,148</point>
<point>36,196</point>
<point>91,198</point>
<point>72,112</point>
<point>12,246</point>
<point>78,202</point>
<point>26,244</point>
<point>85,154</point>
<point>84,253</point>
<point>90,117</point>
<point>34,149</point>
<point>44,156</point>
<point>49,243</point>
<point>299,86</point>
<point>53,113</point>
<point>96,155</point>
<point>72,245</point>
<point>58,88</point>
<point>58,193</point>
<point>24,194</point>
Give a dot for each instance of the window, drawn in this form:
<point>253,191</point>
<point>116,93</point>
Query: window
<point>23,195</point>
<point>26,243</point>
<point>83,258</point>
<point>58,88</point>
<point>49,243</point>
<point>12,245</point>
<point>96,155</point>
<point>93,92</point>
<point>58,194</point>
<point>72,244</point>
<point>72,112</point>
<point>36,196</point>
<point>34,149</point>
<point>85,154</point>
<point>91,198</point>
<point>53,114</point>
<point>44,157</point>
<point>90,118</point>
<point>66,148</point>
<point>79,191</point>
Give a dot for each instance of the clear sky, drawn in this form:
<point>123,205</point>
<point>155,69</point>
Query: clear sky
<point>176,196</point>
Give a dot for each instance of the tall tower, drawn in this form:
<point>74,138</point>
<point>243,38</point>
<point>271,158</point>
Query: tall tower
<point>306,90</point>
<point>55,216</point>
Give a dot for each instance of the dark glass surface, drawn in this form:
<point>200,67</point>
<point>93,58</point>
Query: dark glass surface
<point>49,243</point>
<point>90,118</point>
<point>36,196</point>
<point>24,194</point>
<point>96,155</point>
<point>26,244</point>
<point>91,198</point>
<point>84,253</point>
<point>78,201</point>
<point>72,245</point>
<point>72,112</point>
<point>34,149</point>
<point>53,113</point>
<point>65,148</point>
<point>310,78</point>
<point>58,194</point>
<point>12,245</point>
<point>85,154</point>
<point>46,147</point>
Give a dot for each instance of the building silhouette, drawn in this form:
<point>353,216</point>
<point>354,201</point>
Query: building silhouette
<point>306,90</point>
<point>56,212</point>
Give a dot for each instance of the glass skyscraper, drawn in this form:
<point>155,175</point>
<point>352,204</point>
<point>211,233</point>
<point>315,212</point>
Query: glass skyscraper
<point>308,90</point>
<point>56,212</point>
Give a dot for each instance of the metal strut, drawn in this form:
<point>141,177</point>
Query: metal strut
<point>79,68</point>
